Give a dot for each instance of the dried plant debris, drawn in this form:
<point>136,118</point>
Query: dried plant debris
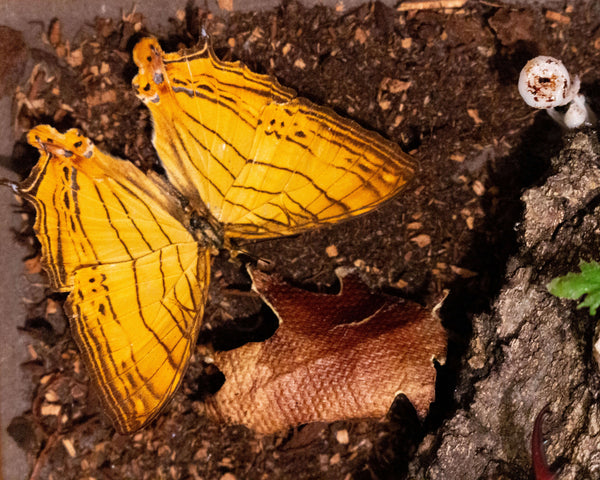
<point>333,357</point>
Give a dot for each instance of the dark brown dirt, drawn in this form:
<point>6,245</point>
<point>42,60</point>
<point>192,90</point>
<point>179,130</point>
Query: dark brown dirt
<point>440,83</point>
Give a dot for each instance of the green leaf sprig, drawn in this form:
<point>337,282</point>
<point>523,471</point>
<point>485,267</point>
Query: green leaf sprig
<point>574,285</point>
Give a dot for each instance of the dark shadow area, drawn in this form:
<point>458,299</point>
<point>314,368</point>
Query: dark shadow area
<point>22,159</point>
<point>507,63</point>
<point>397,443</point>
<point>526,166</point>
<point>235,333</point>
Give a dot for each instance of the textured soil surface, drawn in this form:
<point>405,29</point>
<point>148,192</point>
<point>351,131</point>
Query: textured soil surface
<point>442,84</point>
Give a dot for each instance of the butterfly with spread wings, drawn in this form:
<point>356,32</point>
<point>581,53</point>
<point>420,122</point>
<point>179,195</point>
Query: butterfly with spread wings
<point>245,159</point>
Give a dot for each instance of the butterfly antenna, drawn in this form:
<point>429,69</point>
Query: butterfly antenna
<point>206,39</point>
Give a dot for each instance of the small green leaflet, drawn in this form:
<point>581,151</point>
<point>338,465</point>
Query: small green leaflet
<point>574,285</point>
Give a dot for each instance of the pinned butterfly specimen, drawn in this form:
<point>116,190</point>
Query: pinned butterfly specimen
<point>245,159</point>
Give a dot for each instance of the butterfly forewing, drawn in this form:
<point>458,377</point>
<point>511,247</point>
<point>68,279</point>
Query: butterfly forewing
<point>138,277</point>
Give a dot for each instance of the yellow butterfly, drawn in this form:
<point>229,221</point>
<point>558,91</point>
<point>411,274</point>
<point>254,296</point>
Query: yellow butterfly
<point>245,158</point>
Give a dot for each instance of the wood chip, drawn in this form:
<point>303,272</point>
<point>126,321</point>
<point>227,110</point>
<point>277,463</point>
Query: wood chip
<point>478,188</point>
<point>164,450</point>
<point>414,226</point>
<point>474,114</point>
<point>226,5</point>
<point>342,437</point>
<point>360,36</point>
<point>557,17</point>
<point>32,353</point>
<point>360,263</point>
<point>457,157</point>
<point>421,240</point>
<point>201,453</point>
<point>75,58</point>
<point>69,447</point>
<point>50,409</point>
<point>51,307</point>
<point>397,120</point>
<point>430,5</point>
<point>394,85</point>
<point>463,272</point>
<point>331,251</point>
<point>299,63</point>
<point>385,104</point>
<point>255,36</point>
<point>101,97</point>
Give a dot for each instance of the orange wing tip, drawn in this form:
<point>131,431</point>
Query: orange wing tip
<point>150,80</point>
<point>49,140</point>
<point>145,51</point>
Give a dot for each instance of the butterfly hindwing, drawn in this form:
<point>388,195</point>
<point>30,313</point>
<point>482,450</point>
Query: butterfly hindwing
<point>138,278</point>
<point>136,322</point>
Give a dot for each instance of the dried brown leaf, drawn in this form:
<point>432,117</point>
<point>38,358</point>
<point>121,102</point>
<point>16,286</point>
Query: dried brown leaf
<point>333,357</point>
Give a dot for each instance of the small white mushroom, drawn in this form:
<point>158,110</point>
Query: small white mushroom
<point>545,83</point>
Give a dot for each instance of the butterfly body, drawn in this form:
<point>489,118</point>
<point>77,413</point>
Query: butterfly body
<point>245,159</point>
